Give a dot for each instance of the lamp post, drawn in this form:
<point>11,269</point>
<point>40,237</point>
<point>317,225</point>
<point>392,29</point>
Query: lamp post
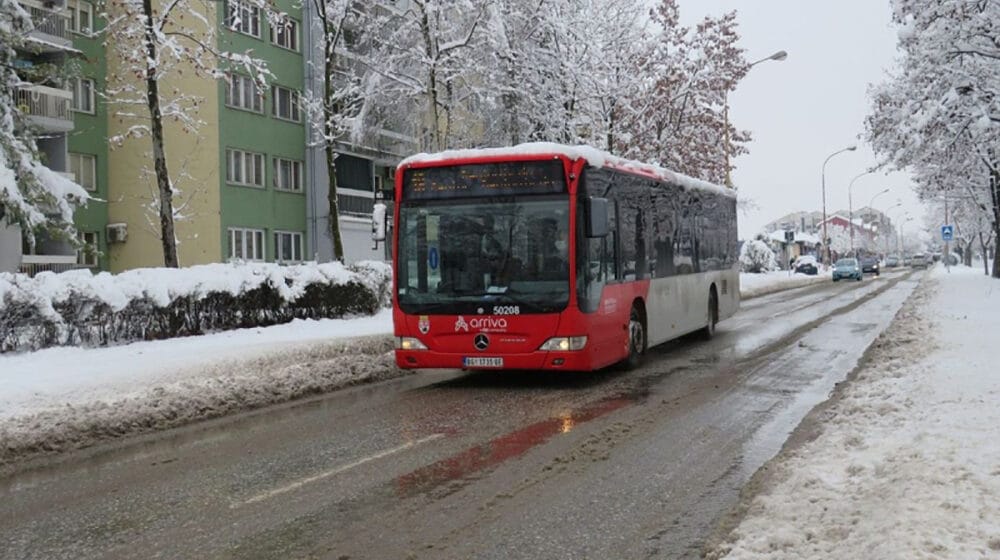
<point>892,228</point>
<point>902,245</point>
<point>826,239</point>
<point>850,205</point>
<point>778,56</point>
<point>871,206</point>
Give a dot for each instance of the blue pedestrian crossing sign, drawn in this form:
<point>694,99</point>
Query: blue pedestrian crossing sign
<point>947,233</point>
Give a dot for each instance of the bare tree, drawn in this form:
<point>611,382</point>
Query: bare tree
<point>156,44</point>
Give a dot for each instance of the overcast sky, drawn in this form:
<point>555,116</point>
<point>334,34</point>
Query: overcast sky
<point>810,105</point>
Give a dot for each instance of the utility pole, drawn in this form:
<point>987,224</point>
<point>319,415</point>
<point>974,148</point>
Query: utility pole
<point>947,243</point>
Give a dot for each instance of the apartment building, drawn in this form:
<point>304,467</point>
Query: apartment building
<point>71,127</point>
<point>253,182</point>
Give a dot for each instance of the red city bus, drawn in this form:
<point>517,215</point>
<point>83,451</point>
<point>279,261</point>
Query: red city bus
<point>543,256</point>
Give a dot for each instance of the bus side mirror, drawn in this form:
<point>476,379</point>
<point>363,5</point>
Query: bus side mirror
<point>595,217</point>
<point>378,223</point>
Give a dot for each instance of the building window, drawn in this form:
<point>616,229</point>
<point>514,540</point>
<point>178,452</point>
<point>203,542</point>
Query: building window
<point>287,247</point>
<point>87,254</point>
<point>83,95</point>
<point>243,17</point>
<point>81,17</point>
<point>242,92</point>
<point>244,168</point>
<point>288,175</point>
<point>246,244</point>
<point>286,34</point>
<point>285,103</point>
<point>84,170</point>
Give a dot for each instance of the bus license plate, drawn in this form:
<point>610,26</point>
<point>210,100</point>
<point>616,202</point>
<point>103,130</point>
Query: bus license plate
<point>482,362</point>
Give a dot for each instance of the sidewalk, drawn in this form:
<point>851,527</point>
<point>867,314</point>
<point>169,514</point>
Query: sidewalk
<point>906,463</point>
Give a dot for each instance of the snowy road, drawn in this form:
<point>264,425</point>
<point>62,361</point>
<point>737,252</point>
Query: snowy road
<point>446,465</point>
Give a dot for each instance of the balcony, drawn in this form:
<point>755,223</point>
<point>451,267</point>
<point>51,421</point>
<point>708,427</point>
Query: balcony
<point>33,264</point>
<point>47,108</point>
<point>51,30</point>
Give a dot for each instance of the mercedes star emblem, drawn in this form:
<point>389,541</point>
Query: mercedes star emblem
<point>481,342</point>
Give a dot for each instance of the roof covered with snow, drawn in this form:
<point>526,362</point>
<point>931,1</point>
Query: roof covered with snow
<point>593,156</point>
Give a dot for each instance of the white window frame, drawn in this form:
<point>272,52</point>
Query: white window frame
<point>298,240</point>
<point>88,254</point>
<point>291,35</point>
<point>297,169</point>
<point>78,93</point>
<point>75,9</point>
<point>247,240</point>
<point>79,158</point>
<point>243,93</point>
<point>242,168</point>
<point>294,108</point>
<point>249,18</point>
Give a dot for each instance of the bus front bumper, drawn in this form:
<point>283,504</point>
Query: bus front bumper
<point>541,360</point>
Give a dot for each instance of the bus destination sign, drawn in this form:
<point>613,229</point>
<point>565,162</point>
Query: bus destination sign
<point>485,179</point>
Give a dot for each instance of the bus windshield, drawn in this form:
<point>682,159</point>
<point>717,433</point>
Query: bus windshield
<point>473,256</point>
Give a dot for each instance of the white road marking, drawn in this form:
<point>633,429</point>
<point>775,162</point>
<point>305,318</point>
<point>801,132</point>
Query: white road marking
<point>332,472</point>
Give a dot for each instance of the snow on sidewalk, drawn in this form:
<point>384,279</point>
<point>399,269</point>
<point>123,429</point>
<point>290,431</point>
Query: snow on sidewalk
<point>907,460</point>
<point>756,285</point>
<point>62,398</point>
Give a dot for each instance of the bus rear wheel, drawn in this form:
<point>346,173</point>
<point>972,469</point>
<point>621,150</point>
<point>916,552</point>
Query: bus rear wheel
<point>636,339</point>
<point>713,316</point>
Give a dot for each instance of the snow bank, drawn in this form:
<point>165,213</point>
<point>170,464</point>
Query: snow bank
<point>756,285</point>
<point>907,461</point>
<point>63,398</point>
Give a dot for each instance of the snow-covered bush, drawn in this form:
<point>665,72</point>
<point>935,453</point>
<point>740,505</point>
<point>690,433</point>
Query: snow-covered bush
<point>756,257</point>
<point>81,308</point>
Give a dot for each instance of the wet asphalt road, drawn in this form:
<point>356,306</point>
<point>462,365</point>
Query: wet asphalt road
<point>449,465</point>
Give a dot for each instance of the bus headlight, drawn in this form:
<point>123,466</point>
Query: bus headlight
<point>409,343</point>
<point>564,343</point>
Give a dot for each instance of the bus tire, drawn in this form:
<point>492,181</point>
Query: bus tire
<point>708,332</point>
<point>636,338</point>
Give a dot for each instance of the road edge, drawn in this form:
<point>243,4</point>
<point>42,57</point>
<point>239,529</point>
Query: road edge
<point>811,426</point>
<point>235,386</point>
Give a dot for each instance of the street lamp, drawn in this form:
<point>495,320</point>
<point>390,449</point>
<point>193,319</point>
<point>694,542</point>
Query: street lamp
<point>888,237</point>
<point>778,56</point>
<point>826,240</point>
<point>850,205</point>
<point>871,206</point>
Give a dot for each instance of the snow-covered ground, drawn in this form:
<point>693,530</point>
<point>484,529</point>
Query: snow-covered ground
<point>755,285</point>
<point>907,459</point>
<point>62,398</point>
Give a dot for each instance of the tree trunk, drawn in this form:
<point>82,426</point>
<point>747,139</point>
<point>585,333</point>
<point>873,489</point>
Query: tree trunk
<point>967,254</point>
<point>986,252</point>
<point>166,206</point>
<point>995,199</point>
<point>331,155</point>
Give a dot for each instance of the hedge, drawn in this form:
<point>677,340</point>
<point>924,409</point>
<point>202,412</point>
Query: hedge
<point>79,308</point>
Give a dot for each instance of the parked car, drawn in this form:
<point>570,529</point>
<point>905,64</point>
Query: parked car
<point>806,264</point>
<point>918,261</point>
<point>869,265</point>
<point>892,261</point>
<point>907,260</point>
<point>846,269</point>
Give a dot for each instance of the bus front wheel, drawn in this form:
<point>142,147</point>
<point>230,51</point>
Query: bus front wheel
<point>636,339</point>
<point>713,315</point>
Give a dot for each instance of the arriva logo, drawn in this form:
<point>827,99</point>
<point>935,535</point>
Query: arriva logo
<point>461,325</point>
<point>488,323</point>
